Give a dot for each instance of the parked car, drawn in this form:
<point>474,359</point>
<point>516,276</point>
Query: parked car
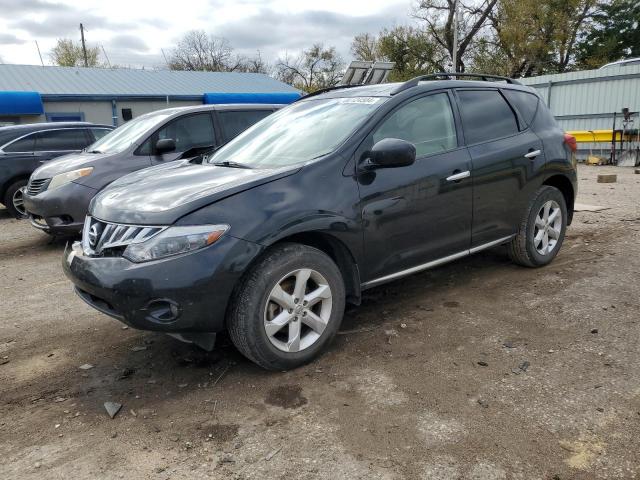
<point>337,193</point>
<point>23,148</point>
<point>58,193</point>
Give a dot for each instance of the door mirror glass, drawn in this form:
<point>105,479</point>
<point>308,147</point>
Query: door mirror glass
<point>392,152</point>
<point>165,145</point>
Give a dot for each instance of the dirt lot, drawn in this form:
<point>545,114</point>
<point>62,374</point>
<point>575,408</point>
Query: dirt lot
<point>479,369</point>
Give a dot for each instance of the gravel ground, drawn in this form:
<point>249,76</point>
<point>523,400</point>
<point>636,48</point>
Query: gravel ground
<point>477,370</point>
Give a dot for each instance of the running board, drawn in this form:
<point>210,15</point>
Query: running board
<point>434,263</point>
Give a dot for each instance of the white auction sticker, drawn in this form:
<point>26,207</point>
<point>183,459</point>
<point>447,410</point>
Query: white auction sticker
<point>364,100</point>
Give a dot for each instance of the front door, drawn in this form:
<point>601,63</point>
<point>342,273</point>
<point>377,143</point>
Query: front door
<point>420,213</point>
<point>189,131</point>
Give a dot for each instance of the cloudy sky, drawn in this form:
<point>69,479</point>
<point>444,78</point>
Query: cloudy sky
<point>133,32</point>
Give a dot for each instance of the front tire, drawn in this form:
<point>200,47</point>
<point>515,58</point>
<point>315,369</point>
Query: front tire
<point>541,232</point>
<point>287,308</point>
<point>13,199</point>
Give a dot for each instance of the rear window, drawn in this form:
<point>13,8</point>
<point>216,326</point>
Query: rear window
<point>486,115</point>
<point>236,122</point>
<point>525,103</point>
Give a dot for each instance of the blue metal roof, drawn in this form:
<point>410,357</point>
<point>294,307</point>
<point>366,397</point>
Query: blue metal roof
<point>127,82</point>
<point>20,103</point>
<point>275,97</point>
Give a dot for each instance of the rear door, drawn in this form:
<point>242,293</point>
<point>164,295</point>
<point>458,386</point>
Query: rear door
<point>505,154</point>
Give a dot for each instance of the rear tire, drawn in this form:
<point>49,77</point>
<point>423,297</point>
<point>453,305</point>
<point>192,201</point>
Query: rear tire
<point>13,199</point>
<point>287,308</point>
<point>542,229</point>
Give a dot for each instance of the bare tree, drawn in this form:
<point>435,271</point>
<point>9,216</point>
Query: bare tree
<point>313,69</point>
<point>68,53</point>
<point>255,64</point>
<point>438,16</point>
<point>199,51</point>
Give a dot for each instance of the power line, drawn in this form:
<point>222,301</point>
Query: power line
<point>165,57</point>
<point>39,54</point>
<point>105,55</point>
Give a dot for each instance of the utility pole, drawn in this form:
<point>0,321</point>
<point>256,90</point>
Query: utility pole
<point>455,37</point>
<point>84,47</point>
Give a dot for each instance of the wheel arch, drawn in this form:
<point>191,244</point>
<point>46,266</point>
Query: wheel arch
<point>565,186</point>
<point>5,186</point>
<point>338,252</point>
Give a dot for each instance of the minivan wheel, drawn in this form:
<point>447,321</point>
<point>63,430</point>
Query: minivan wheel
<point>542,229</point>
<point>287,308</point>
<point>14,199</point>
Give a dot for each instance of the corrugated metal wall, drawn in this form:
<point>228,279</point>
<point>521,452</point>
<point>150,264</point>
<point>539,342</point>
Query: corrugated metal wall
<point>586,100</point>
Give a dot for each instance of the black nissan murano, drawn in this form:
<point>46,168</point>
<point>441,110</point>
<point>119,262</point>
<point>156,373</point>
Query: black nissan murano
<point>341,191</point>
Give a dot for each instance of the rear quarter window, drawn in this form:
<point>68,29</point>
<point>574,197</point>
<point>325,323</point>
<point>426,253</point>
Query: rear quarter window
<point>486,116</point>
<point>525,103</point>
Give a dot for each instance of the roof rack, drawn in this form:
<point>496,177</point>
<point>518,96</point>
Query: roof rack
<point>447,76</point>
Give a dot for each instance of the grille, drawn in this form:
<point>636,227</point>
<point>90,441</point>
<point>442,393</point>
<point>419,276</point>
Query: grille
<point>34,187</point>
<point>100,238</point>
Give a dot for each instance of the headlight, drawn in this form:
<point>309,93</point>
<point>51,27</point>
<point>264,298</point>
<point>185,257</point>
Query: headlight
<point>67,177</point>
<point>173,241</point>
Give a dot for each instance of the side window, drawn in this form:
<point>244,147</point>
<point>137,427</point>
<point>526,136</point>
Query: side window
<point>23,145</point>
<point>189,131</point>
<point>234,123</point>
<point>98,133</point>
<point>525,103</point>
<point>61,140</point>
<point>426,122</point>
<point>486,115</point>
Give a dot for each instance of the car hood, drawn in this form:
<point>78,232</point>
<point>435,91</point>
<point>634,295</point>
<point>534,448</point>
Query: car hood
<point>67,163</point>
<point>161,195</point>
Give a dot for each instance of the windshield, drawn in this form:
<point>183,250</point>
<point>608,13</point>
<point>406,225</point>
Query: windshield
<point>122,137</point>
<point>298,133</point>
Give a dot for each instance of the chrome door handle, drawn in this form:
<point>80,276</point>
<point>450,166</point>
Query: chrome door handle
<point>533,154</point>
<point>458,176</point>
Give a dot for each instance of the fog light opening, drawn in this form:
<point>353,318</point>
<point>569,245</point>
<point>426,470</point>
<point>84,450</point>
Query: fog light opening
<point>164,311</point>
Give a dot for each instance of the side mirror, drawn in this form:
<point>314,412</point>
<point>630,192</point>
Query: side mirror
<point>391,153</point>
<point>165,145</point>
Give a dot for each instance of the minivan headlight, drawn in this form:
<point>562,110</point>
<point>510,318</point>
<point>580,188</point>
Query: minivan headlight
<point>174,241</point>
<point>66,177</point>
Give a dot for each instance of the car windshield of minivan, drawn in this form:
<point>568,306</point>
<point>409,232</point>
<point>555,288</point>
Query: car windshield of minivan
<point>122,137</point>
<point>297,134</point>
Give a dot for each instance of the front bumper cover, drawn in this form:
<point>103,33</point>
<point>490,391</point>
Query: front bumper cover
<point>183,294</point>
<point>61,210</point>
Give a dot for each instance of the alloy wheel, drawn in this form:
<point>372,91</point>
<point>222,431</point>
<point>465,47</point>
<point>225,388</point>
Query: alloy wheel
<point>18,201</point>
<point>298,310</point>
<point>547,228</point>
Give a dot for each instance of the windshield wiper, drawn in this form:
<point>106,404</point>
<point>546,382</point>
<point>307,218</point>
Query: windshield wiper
<point>93,151</point>
<point>229,164</point>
